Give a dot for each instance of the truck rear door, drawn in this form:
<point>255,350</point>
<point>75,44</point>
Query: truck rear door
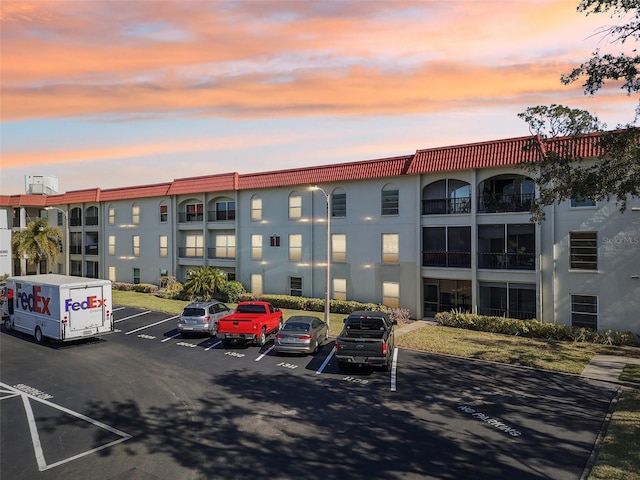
<point>85,309</point>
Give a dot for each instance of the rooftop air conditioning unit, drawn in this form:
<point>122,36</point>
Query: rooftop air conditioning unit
<point>40,184</point>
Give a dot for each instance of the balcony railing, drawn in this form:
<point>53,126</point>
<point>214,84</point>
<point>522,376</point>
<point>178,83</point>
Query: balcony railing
<point>75,221</point>
<point>221,216</point>
<point>91,250</point>
<point>505,202</point>
<point>191,252</point>
<point>525,314</point>
<point>91,220</point>
<point>446,259</point>
<point>75,249</point>
<point>213,253</point>
<point>444,206</point>
<point>507,261</point>
<point>187,217</point>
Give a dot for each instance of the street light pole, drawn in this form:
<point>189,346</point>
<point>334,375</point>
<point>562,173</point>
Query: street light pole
<point>328,270</point>
<point>66,237</point>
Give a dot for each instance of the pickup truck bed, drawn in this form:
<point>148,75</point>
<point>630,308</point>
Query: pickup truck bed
<point>251,321</point>
<point>366,339</point>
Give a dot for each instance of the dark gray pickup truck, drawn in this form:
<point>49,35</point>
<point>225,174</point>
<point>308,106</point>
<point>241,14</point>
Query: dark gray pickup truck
<point>366,339</point>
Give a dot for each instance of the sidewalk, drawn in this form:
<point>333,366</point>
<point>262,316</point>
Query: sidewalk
<point>601,367</point>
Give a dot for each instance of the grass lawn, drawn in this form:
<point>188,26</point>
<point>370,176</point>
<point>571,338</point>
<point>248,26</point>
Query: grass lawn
<point>619,457</point>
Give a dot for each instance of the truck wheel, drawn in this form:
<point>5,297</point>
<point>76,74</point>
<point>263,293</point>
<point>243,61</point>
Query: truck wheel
<point>262,339</point>
<point>8,324</point>
<point>38,335</point>
<point>226,342</point>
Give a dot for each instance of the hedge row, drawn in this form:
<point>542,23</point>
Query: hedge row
<point>533,329</point>
<point>311,304</point>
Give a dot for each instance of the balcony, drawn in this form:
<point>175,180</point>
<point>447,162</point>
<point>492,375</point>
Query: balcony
<point>214,253</point>
<point>91,250</point>
<point>507,261</point>
<point>91,220</point>
<point>221,215</point>
<point>191,252</point>
<point>446,259</point>
<point>505,202</point>
<point>446,206</point>
<point>190,217</point>
<point>75,250</point>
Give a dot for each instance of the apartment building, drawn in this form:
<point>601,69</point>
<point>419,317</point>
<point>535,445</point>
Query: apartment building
<point>439,229</point>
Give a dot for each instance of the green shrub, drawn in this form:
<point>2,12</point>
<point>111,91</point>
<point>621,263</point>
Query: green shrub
<point>310,304</point>
<point>170,288</point>
<point>231,291</point>
<point>532,329</point>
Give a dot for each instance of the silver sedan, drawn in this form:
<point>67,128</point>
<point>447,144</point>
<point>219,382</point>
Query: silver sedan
<point>301,334</point>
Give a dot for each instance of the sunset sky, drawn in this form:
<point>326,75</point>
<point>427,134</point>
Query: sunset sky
<point>118,93</point>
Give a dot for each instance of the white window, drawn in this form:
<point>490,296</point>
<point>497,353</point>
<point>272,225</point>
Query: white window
<point>136,245</point>
<point>295,206</point>
<point>583,250</point>
<point>256,247</point>
<point>340,288</point>
<point>256,208</point>
<point>164,246</point>
<point>338,247</point>
<point>164,213</point>
<point>135,214</point>
<point>584,311</point>
<point>256,283</point>
<point>391,294</point>
<point>112,244</point>
<point>112,273</point>
<point>225,246</point>
<point>390,247</point>
<point>582,203</point>
<point>194,246</point>
<point>295,247</point>
<point>112,216</point>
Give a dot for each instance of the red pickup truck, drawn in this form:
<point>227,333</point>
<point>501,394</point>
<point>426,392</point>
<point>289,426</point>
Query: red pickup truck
<point>251,321</point>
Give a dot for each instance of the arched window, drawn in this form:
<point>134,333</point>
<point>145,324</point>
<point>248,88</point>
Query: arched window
<point>91,216</point>
<point>446,196</point>
<point>390,199</point>
<point>339,203</point>
<point>506,193</point>
<point>256,208</point>
<point>75,217</point>
<point>295,206</point>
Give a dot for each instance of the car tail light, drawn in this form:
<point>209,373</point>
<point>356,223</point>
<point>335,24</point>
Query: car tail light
<point>279,336</point>
<point>384,349</point>
<point>337,346</point>
<point>305,337</point>
<point>207,318</point>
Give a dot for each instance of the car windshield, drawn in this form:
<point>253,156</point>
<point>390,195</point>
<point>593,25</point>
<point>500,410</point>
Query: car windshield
<point>193,312</point>
<point>296,326</point>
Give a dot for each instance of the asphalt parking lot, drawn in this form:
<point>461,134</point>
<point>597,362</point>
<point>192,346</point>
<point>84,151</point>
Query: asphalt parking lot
<point>144,403</point>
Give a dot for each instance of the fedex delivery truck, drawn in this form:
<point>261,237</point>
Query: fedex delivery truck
<point>59,307</point>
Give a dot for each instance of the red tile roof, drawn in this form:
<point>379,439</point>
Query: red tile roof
<point>469,156</point>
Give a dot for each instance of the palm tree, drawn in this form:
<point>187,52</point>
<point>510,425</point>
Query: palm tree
<point>39,241</point>
<point>202,282</point>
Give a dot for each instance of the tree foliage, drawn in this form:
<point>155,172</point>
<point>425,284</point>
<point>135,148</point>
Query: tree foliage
<point>37,242</point>
<point>562,173</point>
<point>202,282</point>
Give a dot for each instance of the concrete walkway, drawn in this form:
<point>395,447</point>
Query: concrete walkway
<point>601,367</point>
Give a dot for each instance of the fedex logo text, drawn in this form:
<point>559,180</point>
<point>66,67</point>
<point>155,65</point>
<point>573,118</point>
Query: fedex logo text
<point>90,302</point>
<point>33,301</point>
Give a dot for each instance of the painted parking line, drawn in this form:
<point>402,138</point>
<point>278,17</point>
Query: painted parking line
<point>213,345</point>
<point>394,370</point>
<point>35,436</point>
<point>132,316</point>
<point>171,337</point>
<point>265,353</point>
<point>326,361</point>
<point>152,324</point>
<point>118,308</point>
